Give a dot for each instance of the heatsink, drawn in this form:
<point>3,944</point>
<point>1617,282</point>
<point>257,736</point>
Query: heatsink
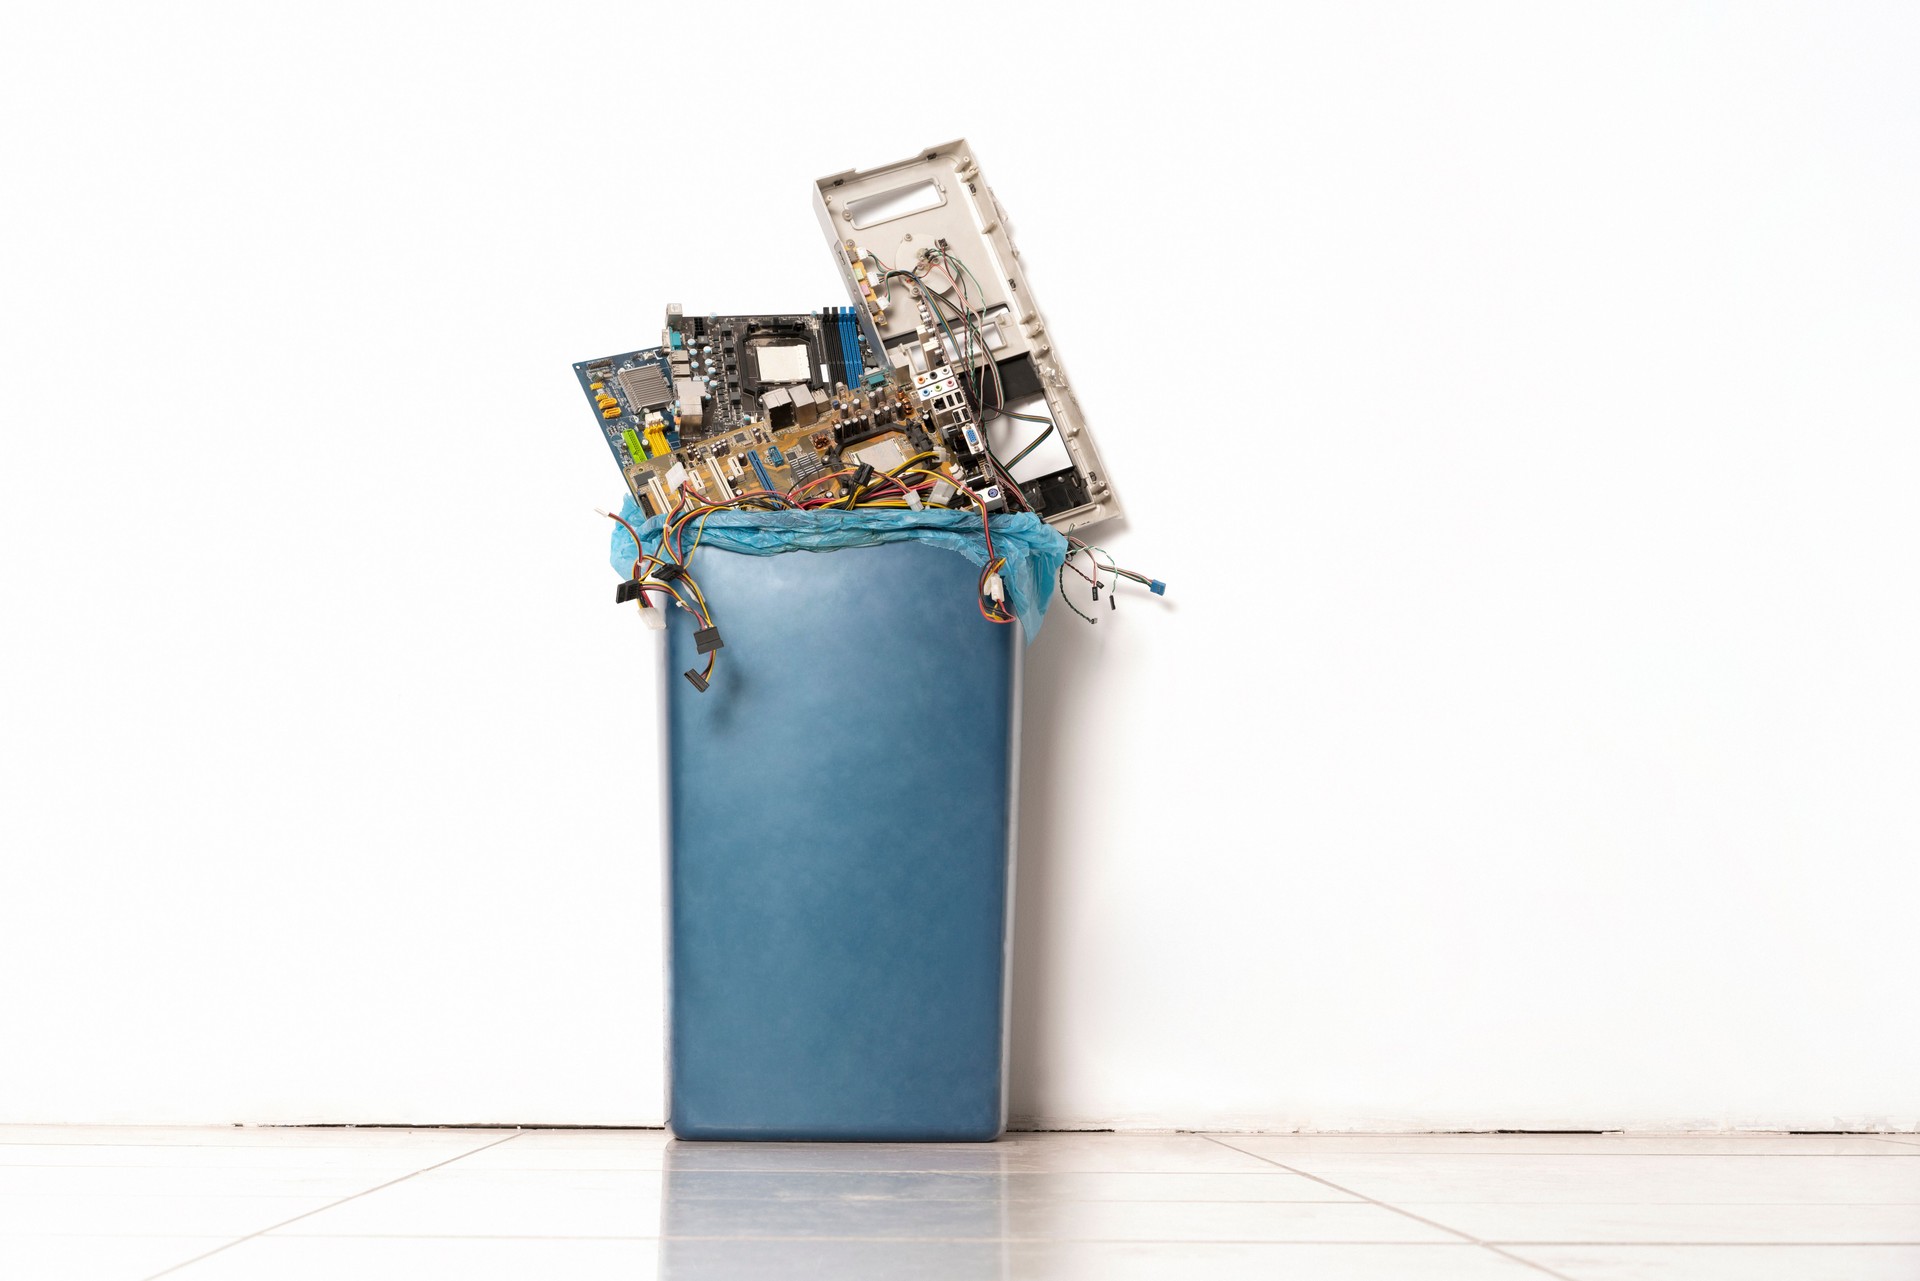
<point>645,387</point>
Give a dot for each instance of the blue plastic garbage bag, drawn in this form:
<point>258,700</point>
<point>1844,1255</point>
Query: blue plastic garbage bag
<point>1033,550</point>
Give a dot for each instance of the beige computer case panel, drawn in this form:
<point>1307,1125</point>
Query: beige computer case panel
<point>889,216</point>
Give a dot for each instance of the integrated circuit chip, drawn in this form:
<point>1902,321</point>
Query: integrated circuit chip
<point>884,454</point>
<point>805,464</point>
<point>781,363</point>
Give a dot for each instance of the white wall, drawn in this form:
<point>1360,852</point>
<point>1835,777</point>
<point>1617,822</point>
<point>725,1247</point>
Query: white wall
<point>1521,406</point>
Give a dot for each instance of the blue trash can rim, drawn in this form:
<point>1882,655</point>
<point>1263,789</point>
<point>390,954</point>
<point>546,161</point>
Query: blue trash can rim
<point>1034,551</point>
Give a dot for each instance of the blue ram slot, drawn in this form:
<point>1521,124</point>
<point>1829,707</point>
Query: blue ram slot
<point>759,469</point>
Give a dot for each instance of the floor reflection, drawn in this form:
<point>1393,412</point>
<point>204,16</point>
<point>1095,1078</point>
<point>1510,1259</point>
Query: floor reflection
<point>747,1210</point>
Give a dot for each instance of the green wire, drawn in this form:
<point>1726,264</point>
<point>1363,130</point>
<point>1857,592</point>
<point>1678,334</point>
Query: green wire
<point>1037,440</point>
<point>976,341</point>
<point>970,276</point>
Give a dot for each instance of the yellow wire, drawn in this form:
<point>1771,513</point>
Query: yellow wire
<point>699,533</point>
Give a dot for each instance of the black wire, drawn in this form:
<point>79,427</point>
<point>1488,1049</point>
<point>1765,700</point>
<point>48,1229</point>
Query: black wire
<point>977,338</point>
<point>1061,578</point>
<point>980,409</point>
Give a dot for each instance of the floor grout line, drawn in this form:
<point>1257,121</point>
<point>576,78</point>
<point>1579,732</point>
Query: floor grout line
<point>1715,1245</point>
<point>881,1240</point>
<point>274,1227</point>
<point>912,1240</point>
<point>1451,1153</point>
<point>1612,1156</point>
<point>1384,1205</point>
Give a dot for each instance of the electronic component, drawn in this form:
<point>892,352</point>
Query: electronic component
<point>805,465</point>
<point>809,404</point>
<point>845,361</point>
<point>690,407</point>
<point>645,387</point>
<point>779,369</point>
<point>781,363</point>
<point>884,454</point>
<point>778,405</point>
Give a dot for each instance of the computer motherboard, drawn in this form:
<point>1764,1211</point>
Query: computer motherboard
<point>777,405</point>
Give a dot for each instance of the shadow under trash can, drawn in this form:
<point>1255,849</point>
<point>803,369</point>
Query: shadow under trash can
<point>840,817</point>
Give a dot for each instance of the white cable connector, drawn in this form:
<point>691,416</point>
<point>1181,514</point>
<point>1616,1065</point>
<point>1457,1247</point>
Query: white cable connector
<point>995,589</point>
<point>652,616</point>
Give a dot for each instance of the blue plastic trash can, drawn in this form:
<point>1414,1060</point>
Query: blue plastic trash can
<point>841,806</point>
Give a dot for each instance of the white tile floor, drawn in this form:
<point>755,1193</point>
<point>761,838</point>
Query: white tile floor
<point>227,1205</point>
